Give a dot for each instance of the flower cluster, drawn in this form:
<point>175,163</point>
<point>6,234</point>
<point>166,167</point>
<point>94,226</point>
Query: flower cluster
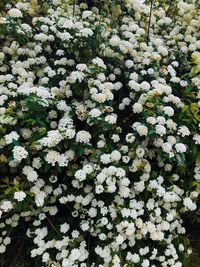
<point>99,132</point>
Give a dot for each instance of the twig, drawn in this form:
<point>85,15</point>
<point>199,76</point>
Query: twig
<point>74,3</point>
<point>149,24</point>
<point>52,225</point>
<point>88,249</point>
<point>168,9</point>
<point>18,253</point>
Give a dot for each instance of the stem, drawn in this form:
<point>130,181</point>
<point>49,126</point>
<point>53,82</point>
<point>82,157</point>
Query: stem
<point>149,24</point>
<point>168,9</point>
<point>74,3</point>
<point>89,250</point>
<point>52,225</point>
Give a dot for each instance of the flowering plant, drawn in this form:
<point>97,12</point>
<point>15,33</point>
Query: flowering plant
<point>99,132</point>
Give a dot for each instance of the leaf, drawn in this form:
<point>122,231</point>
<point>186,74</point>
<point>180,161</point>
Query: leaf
<point>8,191</point>
<point>58,168</point>
<point>28,122</point>
<point>198,159</point>
<point>196,185</point>
<point>37,135</point>
<point>194,150</point>
<point>15,142</point>
<point>151,132</point>
<point>181,159</point>
<point>47,167</point>
<point>185,108</point>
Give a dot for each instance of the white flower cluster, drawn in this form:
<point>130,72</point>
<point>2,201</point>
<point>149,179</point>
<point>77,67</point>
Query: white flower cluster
<point>99,139</point>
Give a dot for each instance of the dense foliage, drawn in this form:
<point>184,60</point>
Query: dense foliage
<point>99,131</point>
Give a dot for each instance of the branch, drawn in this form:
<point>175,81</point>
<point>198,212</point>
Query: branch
<point>149,24</point>
<point>74,3</point>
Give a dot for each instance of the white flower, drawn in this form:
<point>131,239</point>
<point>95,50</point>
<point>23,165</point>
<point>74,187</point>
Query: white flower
<point>130,138</point>
<point>65,36</point>
<point>87,168</point>
<point>163,50</point>
<point>63,160</point>
<point>114,41</point>
<point>171,139</point>
<point>115,155</point>
<point>120,172</point>
<point>183,131</point>
<point>45,256</point>
<point>161,130</point>
<point>36,163</point>
<point>99,189</point>
<point>70,133</point>
<point>134,85</point>
<point>87,14</point>
<point>64,228</point>
<point>26,133</point>
<point>39,199</point>
<point>168,111</point>
<point>161,120</point>
<point>53,138</point>
<point>31,174</point>
<point>83,137</point>
<point>19,153</point>
<point>2,56</point>
<point>2,248</point>
<point>115,138</point>
<point>98,61</point>
<point>111,119</point>
<point>95,113</point>
<point>19,195</point>
<point>101,144</point>
<point>15,13</point>
<point>139,186</point>
<point>119,239</point>
<point>180,148</point>
<point>169,217</point>
<point>52,157</point>
<point>80,175</point>
<point>196,138</point>
<point>6,205</point>
<point>145,263</point>
<point>167,147</point>
<point>86,32</point>
<point>129,64</point>
<point>57,2</point>
<point>142,130</point>
<point>11,136</point>
<point>137,108</point>
<point>105,158</point>
<point>100,97</point>
<point>151,120</point>
<point>145,86</point>
<point>140,152</point>
<point>189,204</point>
<point>92,212</point>
<point>181,247</point>
<point>135,258</point>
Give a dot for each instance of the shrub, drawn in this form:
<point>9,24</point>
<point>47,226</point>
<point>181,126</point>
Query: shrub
<point>99,132</point>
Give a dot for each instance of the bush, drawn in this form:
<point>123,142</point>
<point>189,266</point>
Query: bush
<point>99,132</point>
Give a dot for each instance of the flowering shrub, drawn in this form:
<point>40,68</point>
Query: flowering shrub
<point>99,132</point>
